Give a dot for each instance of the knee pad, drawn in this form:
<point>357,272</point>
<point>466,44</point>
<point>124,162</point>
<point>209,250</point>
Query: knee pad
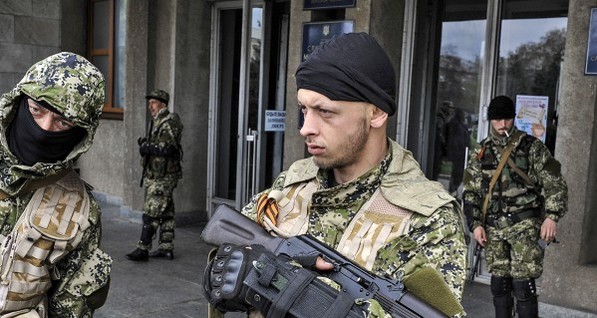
<point>501,286</point>
<point>524,289</point>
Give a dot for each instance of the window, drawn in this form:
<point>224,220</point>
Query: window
<point>106,45</point>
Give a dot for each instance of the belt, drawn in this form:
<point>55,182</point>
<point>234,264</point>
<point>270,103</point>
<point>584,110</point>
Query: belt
<point>511,219</point>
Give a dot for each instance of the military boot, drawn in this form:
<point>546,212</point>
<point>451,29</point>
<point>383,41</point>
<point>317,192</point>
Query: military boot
<point>138,255</point>
<point>162,253</point>
<point>501,288</point>
<point>526,298</point>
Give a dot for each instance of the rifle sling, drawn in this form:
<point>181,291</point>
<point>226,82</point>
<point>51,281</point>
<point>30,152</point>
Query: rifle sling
<point>521,173</point>
<point>512,143</point>
<point>36,184</point>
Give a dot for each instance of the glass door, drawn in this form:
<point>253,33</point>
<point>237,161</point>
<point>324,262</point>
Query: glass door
<point>531,51</point>
<point>243,158</point>
<point>465,52</point>
<point>517,54</point>
<point>459,86</point>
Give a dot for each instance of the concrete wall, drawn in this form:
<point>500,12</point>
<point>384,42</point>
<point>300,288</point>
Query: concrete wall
<point>191,87</point>
<point>103,165</point>
<point>294,148</point>
<point>166,49</point>
<point>29,31</point>
<point>568,280</point>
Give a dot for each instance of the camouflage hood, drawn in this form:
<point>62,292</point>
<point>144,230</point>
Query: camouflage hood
<point>70,84</point>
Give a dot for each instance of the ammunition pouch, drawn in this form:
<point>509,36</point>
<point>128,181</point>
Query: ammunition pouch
<point>507,220</point>
<point>241,278</point>
<point>51,225</point>
<point>277,288</point>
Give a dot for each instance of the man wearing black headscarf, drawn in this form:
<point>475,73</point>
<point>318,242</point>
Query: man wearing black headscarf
<point>360,192</point>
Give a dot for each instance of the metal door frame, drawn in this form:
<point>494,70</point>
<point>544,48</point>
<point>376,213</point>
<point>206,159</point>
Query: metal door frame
<point>242,150</point>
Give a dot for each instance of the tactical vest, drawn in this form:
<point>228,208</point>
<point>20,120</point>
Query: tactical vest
<point>376,223</point>
<point>162,166</point>
<point>511,194</point>
<point>51,225</point>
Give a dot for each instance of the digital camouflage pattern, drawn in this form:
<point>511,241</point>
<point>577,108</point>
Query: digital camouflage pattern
<point>511,194</point>
<point>435,230</point>
<point>161,176</point>
<point>75,87</point>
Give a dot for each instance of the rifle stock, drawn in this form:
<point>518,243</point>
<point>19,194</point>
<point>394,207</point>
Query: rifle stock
<point>229,226</point>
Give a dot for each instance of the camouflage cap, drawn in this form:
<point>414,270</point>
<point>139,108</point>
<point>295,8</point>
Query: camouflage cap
<point>159,95</point>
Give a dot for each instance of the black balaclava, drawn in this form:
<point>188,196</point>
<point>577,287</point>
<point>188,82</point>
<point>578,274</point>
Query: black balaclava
<point>31,144</point>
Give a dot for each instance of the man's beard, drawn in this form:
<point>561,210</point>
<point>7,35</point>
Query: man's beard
<point>350,150</point>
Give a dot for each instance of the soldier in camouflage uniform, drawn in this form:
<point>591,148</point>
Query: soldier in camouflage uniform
<point>161,154</point>
<point>47,121</point>
<point>527,200</point>
<point>360,192</point>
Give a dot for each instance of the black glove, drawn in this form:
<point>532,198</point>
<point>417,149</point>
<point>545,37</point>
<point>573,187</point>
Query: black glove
<point>224,275</point>
<point>141,140</point>
<point>147,148</point>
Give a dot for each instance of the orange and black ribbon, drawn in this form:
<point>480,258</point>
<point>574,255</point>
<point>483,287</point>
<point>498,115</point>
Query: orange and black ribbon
<point>267,208</point>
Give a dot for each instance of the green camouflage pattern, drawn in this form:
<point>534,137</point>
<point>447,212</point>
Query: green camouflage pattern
<point>512,194</point>
<point>161,177</point>
<point>75,87</point>
<point>159,205</point>
<point>515,251</point>
<point>166,133</point>
<point>436,237</point>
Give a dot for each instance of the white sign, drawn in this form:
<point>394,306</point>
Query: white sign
<point>531,115</point>
<point>275,120</point>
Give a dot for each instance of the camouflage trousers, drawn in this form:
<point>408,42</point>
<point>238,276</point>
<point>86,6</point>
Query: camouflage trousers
<point>158,210</point>
<point>514,251</point>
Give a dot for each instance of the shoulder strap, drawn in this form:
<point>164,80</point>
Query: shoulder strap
<point>505,156</point>
<point>36,184</point>
<point>521,173</point>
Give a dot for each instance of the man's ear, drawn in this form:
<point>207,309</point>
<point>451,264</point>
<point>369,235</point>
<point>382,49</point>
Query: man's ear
<point>378,118</point>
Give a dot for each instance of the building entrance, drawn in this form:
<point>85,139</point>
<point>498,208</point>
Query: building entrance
<point>466,52</point>
<point>247,94</point>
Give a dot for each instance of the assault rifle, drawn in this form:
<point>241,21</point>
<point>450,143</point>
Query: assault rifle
<point>477,258</point>
<point>145,157</point>
<point>229,226</point>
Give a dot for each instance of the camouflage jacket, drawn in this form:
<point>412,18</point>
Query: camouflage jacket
<point>164,139</point>
<point>75,88</point>
<point>431,225</point>
<point>546,191</point>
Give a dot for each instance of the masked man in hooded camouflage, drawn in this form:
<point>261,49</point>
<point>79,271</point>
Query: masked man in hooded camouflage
<point>514,194</point>
<point>161,153</point>
<point>360,192</point>
<point>49,221</point>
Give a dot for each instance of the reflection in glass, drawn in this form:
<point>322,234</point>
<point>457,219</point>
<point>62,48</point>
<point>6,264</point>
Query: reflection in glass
<point>101,24</point>
<point>531,52</point>
<point>119,52</point>
<point>458,90</point>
